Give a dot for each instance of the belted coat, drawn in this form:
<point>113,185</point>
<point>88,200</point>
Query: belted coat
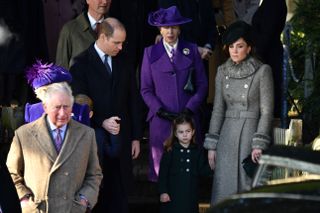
<point>162,86</point>
<point>241,121</point>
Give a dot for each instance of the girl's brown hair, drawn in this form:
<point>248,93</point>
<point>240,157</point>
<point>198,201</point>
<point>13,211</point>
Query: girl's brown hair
<point>181,119</point>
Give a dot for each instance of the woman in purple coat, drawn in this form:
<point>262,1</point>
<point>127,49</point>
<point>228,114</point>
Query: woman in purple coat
<point>173,81</point>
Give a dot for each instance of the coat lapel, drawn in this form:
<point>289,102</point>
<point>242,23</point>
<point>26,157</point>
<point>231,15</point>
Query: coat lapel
<point>97,63</point>
<point>43,137</point>
<point>183,56</point>
<point>160,58</point>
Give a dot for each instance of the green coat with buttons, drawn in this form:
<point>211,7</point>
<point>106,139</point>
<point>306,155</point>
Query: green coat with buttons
<point>179,172</point>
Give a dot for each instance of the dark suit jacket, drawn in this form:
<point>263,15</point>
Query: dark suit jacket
<point>9,200</point>
<point>202,29</point>
<point>112,95</point>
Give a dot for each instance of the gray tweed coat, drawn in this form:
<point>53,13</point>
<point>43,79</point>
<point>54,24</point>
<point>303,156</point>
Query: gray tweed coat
<point>241,120</point>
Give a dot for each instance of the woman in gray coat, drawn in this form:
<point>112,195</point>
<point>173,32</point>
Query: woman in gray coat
<point>242,115</point>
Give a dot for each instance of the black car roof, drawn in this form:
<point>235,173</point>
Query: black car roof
<point>298,153</point>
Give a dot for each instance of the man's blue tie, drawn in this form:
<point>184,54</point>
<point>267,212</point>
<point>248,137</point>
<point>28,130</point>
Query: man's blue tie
<point>106,64</point>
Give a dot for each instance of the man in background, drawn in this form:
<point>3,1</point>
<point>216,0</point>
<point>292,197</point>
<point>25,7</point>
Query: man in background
<point>77,34</point>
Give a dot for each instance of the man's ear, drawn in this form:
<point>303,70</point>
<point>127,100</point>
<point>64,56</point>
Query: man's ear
<point>45,107</point>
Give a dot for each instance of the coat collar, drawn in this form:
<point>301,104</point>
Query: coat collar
<point>183,57</point>
<point>179,146</point>
<point>43,138</point>
<point>246,68</point>
<point>85,23</point>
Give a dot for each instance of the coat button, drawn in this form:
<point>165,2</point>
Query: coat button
<point>188,160</point>
<point>65,197</point>
<point>188,150</point>
<point>187,170</point>
<point>227,77</point>
<point>66,173</point>
<point>246,86</point>
<point>243,96</point>
<point>181,150</point>
<point>181,159</point>
<point>227,86</point>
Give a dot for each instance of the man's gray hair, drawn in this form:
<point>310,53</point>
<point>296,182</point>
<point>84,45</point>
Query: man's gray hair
<point>45,93</point>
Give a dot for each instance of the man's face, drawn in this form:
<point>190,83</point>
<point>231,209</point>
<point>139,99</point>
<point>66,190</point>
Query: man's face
<point>98,7</point>
<point>113,45</point>
<point>59,109</point>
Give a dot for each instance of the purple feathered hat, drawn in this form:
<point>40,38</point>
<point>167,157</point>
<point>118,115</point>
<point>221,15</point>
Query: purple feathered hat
<point>167,17</point>
<point>41,74</point>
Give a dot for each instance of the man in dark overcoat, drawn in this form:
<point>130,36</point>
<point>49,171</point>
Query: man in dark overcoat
<point>102,73</point>
<point>267,30</point>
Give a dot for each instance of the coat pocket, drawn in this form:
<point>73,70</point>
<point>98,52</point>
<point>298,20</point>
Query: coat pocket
<point>77,207</point>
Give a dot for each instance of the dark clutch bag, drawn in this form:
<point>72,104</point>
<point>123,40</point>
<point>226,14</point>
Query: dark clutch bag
<point>189,87</point>
<point>249,166</point>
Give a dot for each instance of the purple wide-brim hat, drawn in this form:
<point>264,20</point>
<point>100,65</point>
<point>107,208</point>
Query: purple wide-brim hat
<point>167,17</point>
<point>41,74</point>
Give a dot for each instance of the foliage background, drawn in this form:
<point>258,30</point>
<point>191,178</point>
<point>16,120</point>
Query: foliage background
<point>306,29</point>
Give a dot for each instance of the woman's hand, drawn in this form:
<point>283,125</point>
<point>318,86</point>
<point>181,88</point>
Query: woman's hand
<point>212,158</point>
<point>164,197</point>
<point>255,155</point>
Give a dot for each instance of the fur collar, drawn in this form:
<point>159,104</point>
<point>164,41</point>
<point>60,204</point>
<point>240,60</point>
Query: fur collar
<point>246,68</point>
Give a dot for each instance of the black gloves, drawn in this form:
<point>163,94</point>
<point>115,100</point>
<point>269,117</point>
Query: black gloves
<point>170,116</point>
<point>187,112</point>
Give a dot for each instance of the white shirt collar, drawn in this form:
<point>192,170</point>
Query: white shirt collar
<point>93,21</point>
<point>53,127</point>
<point>99,51</point>
<point>102,55</point>
<point>168,47</point>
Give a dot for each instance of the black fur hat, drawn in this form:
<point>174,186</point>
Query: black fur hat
<point>236,30</point>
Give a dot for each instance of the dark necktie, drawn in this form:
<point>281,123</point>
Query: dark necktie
<point>172,54</point>
<point>97,29</point>
<point>106,64</point>
<point>58,140</point>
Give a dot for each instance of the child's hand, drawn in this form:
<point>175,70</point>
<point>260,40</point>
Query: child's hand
<point>164,197</point>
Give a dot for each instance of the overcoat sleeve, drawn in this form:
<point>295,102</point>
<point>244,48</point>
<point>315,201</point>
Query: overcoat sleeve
<point>15,164</point>
<point>93,176</point>
<point>261,139</point>
<point>63,54</point>
<point>201,83</point>
<point>217,115</point>
<point>147,84</point>
<point>164,172</point>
